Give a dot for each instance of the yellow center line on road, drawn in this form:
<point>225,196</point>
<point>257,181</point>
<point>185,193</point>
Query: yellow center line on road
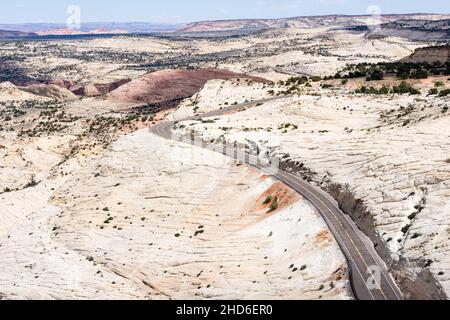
<point>356,232</point>
<point>165,130</point>
<point>345,231</point>
<point>167,127</point>
<point>293,184</point>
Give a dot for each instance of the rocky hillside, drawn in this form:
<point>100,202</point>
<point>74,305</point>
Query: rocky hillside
<point>430,55</point>
<point>167,86</point>
<point>415,29</point>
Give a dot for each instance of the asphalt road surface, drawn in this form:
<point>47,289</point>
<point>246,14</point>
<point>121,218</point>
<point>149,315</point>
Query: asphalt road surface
<point>369,277</point>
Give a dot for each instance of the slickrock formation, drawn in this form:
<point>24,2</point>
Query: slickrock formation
<point>50,91</point>
<point>386,159</point>
<point>141,223</point>
<point>221,93</point>
<point>94,207</point>
<point>167,86</point>
<point>100,89</point>
<point>10,92</point>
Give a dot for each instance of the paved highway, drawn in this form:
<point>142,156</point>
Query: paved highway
<point>369,277</point>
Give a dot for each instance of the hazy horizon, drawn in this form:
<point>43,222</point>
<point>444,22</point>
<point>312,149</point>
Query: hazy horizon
<point>230,19</point>
<point>180,12</point>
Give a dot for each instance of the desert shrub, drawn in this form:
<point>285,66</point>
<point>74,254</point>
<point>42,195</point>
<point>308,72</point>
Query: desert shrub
<point>420,74</point>
<point>344,81</point>
<point>444,93</point>
<point>433,91</point>
<point>405,87</point>
<point>383,90</point>
<point>412,216</point>
<point>406,228</point>
<point>274,205</point>
<point>296,80</point>
<point>268,200</point>
<point>403,70</point>
<point>438,84</point>
<point>32,183</point>
<point>375,75</point>
<point>372,90</point>
<point>316,78</point>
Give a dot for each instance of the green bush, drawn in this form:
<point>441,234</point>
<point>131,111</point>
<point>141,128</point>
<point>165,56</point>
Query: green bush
<point>384,90</point>
<point>405,87</point>
<point>274,205</point>
<point>420,74</point>
<point>433,91</point>
<point>376,75</point>
<point>268,200</point>
<point>372,90</point>
<point>406,228</point>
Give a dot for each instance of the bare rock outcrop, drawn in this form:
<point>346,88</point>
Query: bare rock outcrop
<point>50,91</point>
<point>153,219</point>
<point>391,176</point>
<point>430,55</point>
<point>10,92</point>
<point>166,86</point>
<point>99,89</point>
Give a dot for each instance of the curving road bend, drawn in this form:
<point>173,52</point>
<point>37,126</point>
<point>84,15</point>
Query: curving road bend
<point>369,277</point>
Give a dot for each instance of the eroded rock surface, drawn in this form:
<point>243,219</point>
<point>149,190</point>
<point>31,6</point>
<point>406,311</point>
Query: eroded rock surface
<point>387,156</point>
<point>152,219</point>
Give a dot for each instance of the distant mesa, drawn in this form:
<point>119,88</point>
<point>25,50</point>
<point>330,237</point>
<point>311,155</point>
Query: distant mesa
<point>9,34</point>
<point>67,31</point>
<point>88,28</point>
<point>345,21</point>
<point>416,29</point>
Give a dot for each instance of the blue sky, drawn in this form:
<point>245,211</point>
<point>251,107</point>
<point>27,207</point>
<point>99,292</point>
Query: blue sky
<point>19,11</point>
